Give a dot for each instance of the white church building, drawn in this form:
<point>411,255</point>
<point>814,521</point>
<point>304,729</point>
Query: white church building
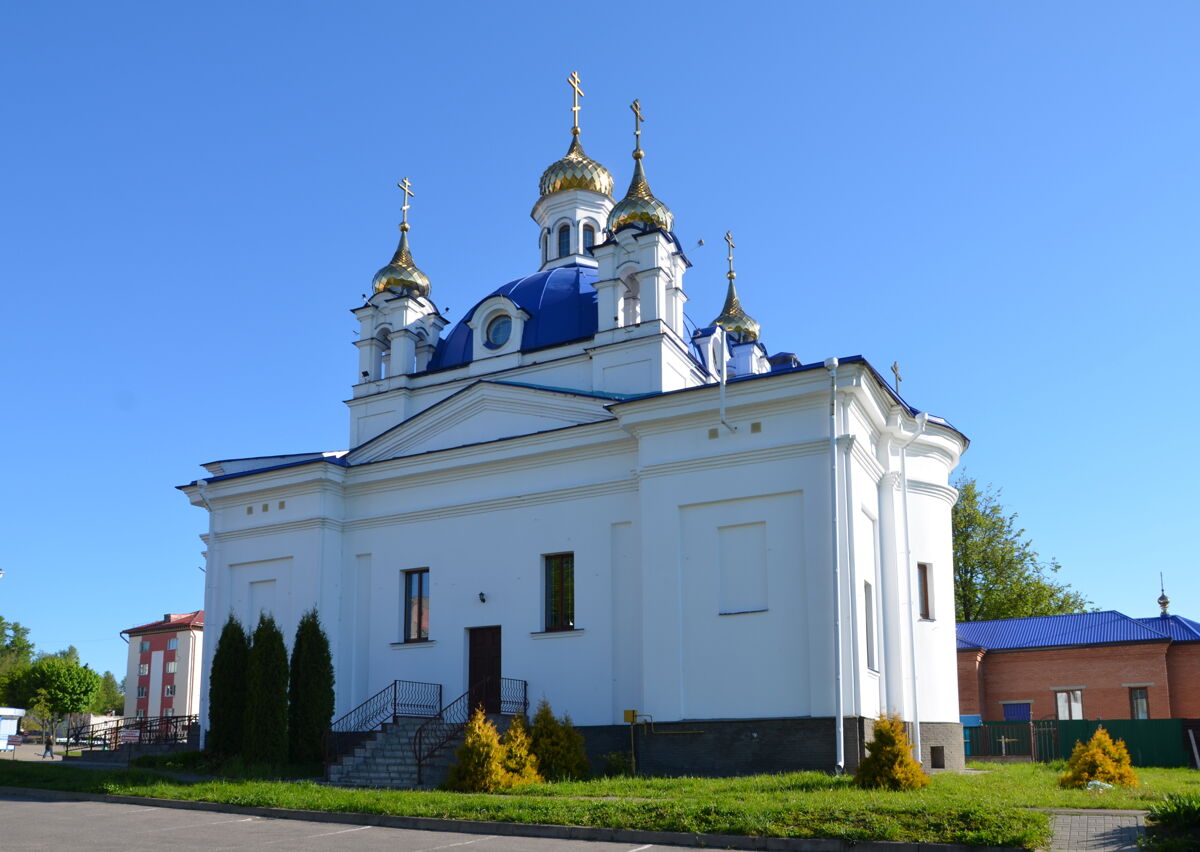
<point>569,487</point>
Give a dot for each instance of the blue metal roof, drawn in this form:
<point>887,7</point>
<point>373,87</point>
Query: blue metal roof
<point>1176,626</point>
<point>561,304</point>
<point>1048,631</point>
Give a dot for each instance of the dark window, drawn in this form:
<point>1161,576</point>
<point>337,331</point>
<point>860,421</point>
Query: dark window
<point>545,246</point>
<point>564,241</point>
<point>169,690</point>
<point>498,332</point>
<point>1017,711</point>
<point>144,646</point>
<point>416,605</point>
<point>1139,703</point>
<point>141,692</point>
<point>923,590</point>
<point>589,237</point>
<point>1069,703</point>
<point>560,591</point>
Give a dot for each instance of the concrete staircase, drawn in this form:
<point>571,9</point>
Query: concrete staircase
<point>385,759</point>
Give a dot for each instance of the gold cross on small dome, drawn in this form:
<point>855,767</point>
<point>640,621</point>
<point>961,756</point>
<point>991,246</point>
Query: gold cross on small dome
<point>576,94</point>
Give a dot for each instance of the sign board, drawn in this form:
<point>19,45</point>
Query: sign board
<point>130,735</point>
<point>15,739</point>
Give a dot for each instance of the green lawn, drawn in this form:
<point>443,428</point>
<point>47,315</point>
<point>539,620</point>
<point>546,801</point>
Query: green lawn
<point>978,809</point>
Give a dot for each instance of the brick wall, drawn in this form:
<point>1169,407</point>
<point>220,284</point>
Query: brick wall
<point>1183,667</point>
<point>1101,670</point>
<point>968,682</point>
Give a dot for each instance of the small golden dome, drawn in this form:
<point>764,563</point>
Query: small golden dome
<point>734,318</point>
<point>402,273</point>
<point>639,206</point>
<point>576,171</point>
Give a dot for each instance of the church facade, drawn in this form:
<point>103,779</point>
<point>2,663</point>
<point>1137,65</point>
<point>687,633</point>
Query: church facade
<point>571,487</point>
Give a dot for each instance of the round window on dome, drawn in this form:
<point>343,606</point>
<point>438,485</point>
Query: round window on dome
<point>498,331</point>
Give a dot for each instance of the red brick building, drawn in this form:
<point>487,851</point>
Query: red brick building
<point>1094,665</point>
<point>163,676</point>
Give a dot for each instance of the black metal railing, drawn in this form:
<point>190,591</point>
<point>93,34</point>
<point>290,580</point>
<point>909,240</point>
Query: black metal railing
<point>112,733</point>
<point>505,696</point>
<point>399,698</point>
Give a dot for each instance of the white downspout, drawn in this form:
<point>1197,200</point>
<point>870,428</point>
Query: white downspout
<point>719,340</point>
<point>831,364</point>
<point>209,577</point>
<point>922,422</point>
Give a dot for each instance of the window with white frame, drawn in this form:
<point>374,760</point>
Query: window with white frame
<point>141,693</point>
<point>143,668</point>
<point>171,667</point>
<point>172,644</point>
<point>169,690</point>
<point>1069,703</point>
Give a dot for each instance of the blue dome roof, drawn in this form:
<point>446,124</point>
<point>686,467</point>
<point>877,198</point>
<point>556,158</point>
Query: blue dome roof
<point>561,304</point>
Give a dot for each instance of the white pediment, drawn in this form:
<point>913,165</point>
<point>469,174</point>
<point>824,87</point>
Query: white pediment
<point>482,412</point>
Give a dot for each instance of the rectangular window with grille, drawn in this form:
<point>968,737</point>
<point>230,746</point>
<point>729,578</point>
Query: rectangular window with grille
<point>416,605</point>
<point>560,591</point>
<point>1139,703</point>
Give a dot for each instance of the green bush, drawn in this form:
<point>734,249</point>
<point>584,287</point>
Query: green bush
<point>266,727</point>
<point>227,691</point>
<point>889,762</point>
<point>559,747</point>
<point>1100,759</point>
<point>617,764</point>
<point>1174,824</point>
<point>310,691</point>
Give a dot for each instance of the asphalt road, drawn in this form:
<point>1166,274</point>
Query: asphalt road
<point>28,822</point>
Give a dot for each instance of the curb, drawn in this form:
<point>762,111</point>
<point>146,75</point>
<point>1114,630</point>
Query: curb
<point>519,829</point>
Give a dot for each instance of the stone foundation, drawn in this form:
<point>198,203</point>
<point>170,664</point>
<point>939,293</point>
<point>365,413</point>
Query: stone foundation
<point>721,747</point>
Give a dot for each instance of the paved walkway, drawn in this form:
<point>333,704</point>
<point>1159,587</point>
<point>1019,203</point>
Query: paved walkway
<point>1096,830</point>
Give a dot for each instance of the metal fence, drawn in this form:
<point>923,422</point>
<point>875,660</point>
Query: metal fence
<point>1151,742</point>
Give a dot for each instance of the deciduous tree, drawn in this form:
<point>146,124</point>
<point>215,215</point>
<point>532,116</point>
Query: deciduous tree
<point>997,573</point>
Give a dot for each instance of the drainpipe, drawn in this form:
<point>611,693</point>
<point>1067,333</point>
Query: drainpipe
<point>209,577</point>
<point>922,422</point>
<point>831,364</point>
<point>720,340</point>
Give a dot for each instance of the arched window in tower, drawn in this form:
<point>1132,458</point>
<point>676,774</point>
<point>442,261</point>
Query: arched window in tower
<point>384,364</point>
<point>545,246</point>
<point>589,238</point>
<point>564,241</point>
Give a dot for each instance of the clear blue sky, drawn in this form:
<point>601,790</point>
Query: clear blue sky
<point>1002,196</point>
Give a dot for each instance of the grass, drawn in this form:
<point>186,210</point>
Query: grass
<point>977,809</point>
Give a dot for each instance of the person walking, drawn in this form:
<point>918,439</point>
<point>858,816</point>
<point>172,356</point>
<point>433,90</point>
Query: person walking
<point>49,750</point>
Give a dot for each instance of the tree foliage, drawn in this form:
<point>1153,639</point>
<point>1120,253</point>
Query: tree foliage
<point>486,762</point>
<point>889,762</point>
<point>310,697</point>
<point>109,698</point>
<point>227,691</point>
<point>266,732</point>
<point>56,687</point>
<point>16,656</point>
<point>1100,759</point>
<point>558,746</point>
<point>519,760</point>
<point>997,573</point>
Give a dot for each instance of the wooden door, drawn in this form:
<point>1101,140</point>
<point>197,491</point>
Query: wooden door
<point>483,668</point>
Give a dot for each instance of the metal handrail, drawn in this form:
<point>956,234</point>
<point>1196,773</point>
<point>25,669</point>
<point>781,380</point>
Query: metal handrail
<point>507,696</point>
<point>399,698</point>
<point>151,729</point>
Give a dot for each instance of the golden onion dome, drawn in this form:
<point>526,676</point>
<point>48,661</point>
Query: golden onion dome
<point>402,273</point>
<point>734,318</point>
<point>576,171</point>
<point>639,206</point>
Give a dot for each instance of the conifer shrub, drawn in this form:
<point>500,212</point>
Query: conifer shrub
<point>559,748</point>
<point>310,691</point>
<point>889,762</point>
<point>1100,759</point>
<point>227,691</point>
<point>265,732</point>
<point>479,765</point>
<point>519,762</point>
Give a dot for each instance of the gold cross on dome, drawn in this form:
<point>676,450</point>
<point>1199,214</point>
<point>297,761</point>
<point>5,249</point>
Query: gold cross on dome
<point>729,239</point>
<point>576,94</point>
<point>638,118</point>
<point>405,187</point>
